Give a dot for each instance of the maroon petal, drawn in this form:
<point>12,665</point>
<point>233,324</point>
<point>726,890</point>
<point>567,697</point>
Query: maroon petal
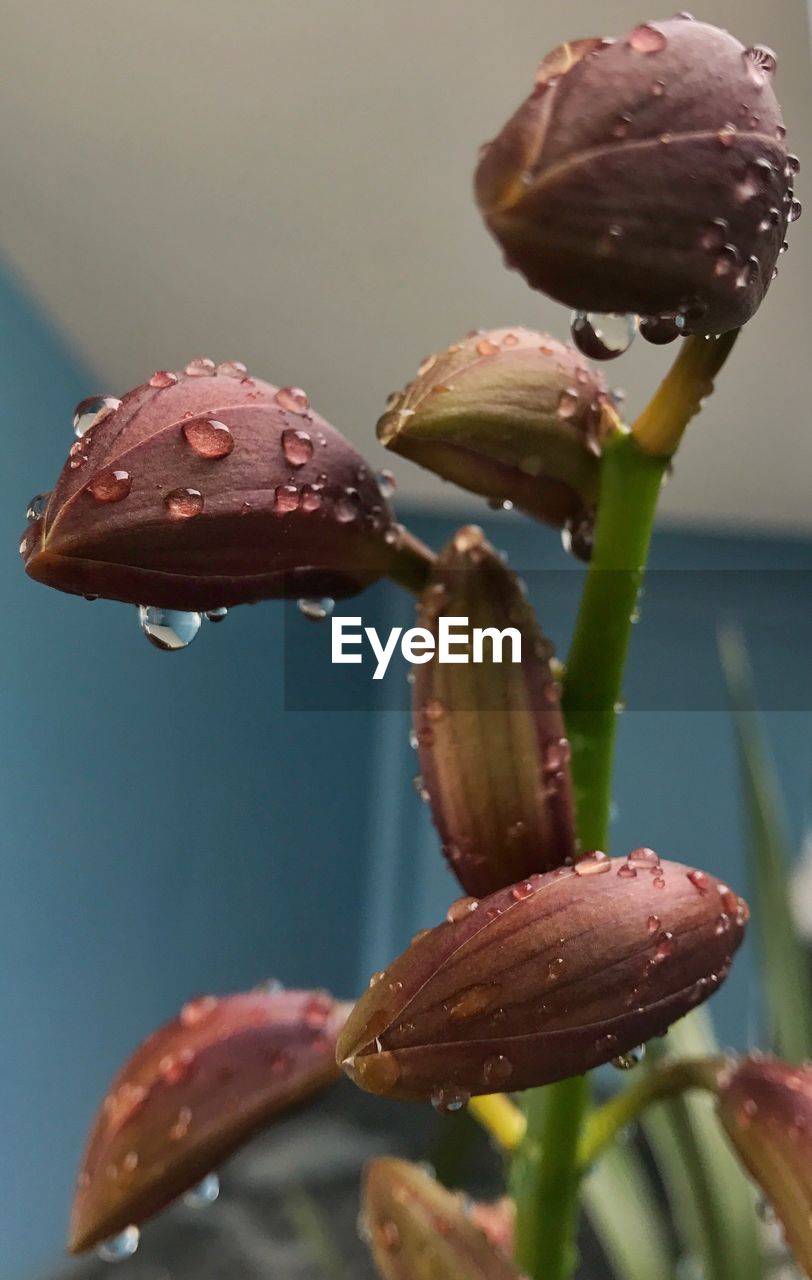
<point>544,980</point>
<point>193,1093</point>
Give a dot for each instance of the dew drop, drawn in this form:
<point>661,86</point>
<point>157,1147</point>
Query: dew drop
<point>521,891</point>
<point>311,498</point>
<point>726,135</point>
<point>386,483</point>
<point>217,615</point>
<point>555,968</point>
<point>567,403</point>
<point>699,880</point>
<point>286,498</point>
<point>795,210</point>
<point>293,399</point>
<point>626,871</point>
<point>205,1193</point>
<point>168,629</point>
<point>347,506</point>
<point>665,948</point>
<point>196,1011</point>
<point>486,347</point>
<point>497,1070</point>
<point>792,167</point>
<point>761,62</point>
<point>232,369</point>
<point>653,924</point>
<point>627,1061</point>
<point>714,237</point>
<point>578,537</point>
<point>119,1248</point>
<point>660,330</point>
<point>36,507</point>
<point>646,39</point>
<point>110,485</point>
<point>449,1099</point>
<point>163,379</point>
<point>88,413</point>
<point>208,437</point>
<point>316,610</point>
<point>592,864</point>
<point>184,504</point>
<point>602,337</point>
<point>200,367</point>
<point>461,909</point>
<point>644,858</point>
<point>297,447</point>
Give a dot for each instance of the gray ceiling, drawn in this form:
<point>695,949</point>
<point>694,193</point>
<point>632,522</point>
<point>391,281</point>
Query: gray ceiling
<point>289,184</point>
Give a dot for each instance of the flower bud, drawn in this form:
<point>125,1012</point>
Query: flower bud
<point>509,414</point>
<point>490,735</point>
<point>193,1093</point>
<point>766,1108</point>
<point>544,980</point>
<point>416,1228</point>
<point>208,488</point>
<point>646,175</point>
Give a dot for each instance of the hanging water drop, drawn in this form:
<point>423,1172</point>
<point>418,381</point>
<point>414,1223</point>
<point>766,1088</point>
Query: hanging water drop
<point>120,1247</point>
<point>449,1099</point>
<point>627,1061</point>
<point>216,615</point>
<point>660,330</point>
<point>168,629</point>
<point>88,413</point>
<point>36,507</point>
<point>232,369</point>
<point>602,337</point>
<point>316,610</point>
<point>386,483</point>
<point>205,1193</point>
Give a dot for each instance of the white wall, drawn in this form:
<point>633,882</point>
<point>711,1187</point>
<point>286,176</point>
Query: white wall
<point>288,182</point>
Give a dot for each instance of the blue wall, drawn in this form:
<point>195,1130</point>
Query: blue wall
<point>170,828</point>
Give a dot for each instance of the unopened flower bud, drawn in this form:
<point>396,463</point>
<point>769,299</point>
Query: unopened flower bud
<point>209,488</point>
<point>192,1093</point>
<point>490,735</point>
<point>512,415</point>
<point>416,1228</point>
<point>646,175</point>
<point>766,1108</point>
<point>544,980</point>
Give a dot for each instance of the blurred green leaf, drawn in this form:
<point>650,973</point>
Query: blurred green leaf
<point>621,1205</point>
<point>711,1199</point>
<point>787,986</point>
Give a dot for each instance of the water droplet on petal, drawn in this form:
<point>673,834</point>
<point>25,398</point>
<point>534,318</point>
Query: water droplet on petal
<point>660,330</point>
<point>347,506</point>
<point>602,337</point>
<point>448,1099</point>
<point>196,1011</point>
<point>627,1061</point>
<point>761,62</point>
<point>36,507</point>
<point>646,39</point>
<point>168,629</point>
<point>163,379</point>
<point>726,261</point>
<point>293,399</point>
<point>316,610</point>
<point>120,1247</point>
<point>592,864</point>
<point>184,504</point>
<point>205,1193</point>
<point>297,447</point>
<point>90,412</point>
<point>110,485</point>
<point>208,437</point>
<point>286,498</point>
<point>200,367</point>
<point>460,909</point>
<point>217,615</point>
<point>232,369</point>
<point>386,483</point>
<point>795,210</point>
<point>567,403</point>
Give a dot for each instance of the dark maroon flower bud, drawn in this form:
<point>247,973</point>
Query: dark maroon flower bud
<point>193,1093</point>
<point>494,758</point>
<point>544,980</point>
<point>646,176</point>
<point>416,1228</point>
<point>512,415</point>
<point>766,1108</point>
<point>209,488</point>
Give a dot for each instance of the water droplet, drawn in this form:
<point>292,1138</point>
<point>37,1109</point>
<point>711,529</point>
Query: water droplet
<point>795,210</point>
<point>722,925</point>
<point>110,486</point>
<point>497,1070</point>
<point>749,273</point>
<point>163,379</point>
<point>36,507</point>
<point>602,337</point>
<point>386,483</point>
<point>792,167</point>
<point>205,1193</point>
<point>90,412</point>
<point>665,948</point>
<point>592,864</point>
<point>761,62</point>
<point>449,1098</point>
<point>196,1011</point>
<point>200,367</point>
<point>174,1068</point>
<point>347,506</point>
<point>726,261</point>
<point>626,871</point>
<point>627,1061</point>
<point>461,909</point>
<point>646,39</point>
<point>168,629</point>
<point>316,610</point>
<point>486,347</point>
<point>184,504</point>
<point>644,858</point>
<point>297,447</point>
<point>714,237</point>
<point>292,399</point>
<point>555,968</point>
<point>521,891</point>
<point>557,753</point>
<point>726,134</point>
<point>660,329</point>
<point>567,403</point>
<point>578,537</point>
<point>653,924</point>
<point>208,437</point>
<point>699,880</point>
<point>232,369</point>
<point>217,615</point>
<point>120,1247</point>
<point>658,89</point>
